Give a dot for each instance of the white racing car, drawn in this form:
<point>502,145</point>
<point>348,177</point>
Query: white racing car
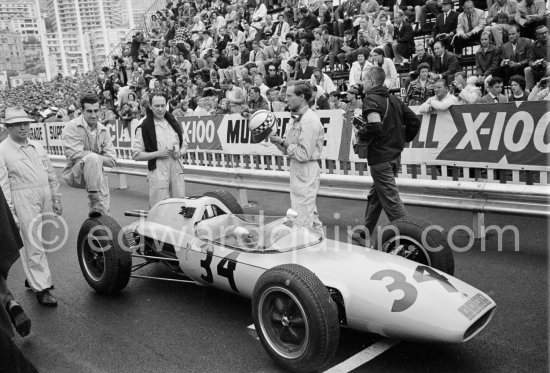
<point>303,286</point>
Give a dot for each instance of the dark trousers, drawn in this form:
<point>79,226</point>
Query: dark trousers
<point>460,43</point>
<point>506,72</point>
<point>383,194</point>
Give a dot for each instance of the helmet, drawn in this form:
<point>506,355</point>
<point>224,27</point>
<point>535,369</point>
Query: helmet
<point>261,124</point>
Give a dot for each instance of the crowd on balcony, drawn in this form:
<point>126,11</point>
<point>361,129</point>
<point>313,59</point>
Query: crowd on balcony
<point>217,57</point>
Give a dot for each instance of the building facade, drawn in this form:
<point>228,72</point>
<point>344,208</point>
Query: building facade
<point>76,25</point>
<point>12,56</point>
<point>21,16</point>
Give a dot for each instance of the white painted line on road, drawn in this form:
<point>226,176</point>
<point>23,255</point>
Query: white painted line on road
<point>364,356</point>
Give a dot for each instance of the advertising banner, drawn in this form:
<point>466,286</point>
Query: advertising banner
<point>515,134</point>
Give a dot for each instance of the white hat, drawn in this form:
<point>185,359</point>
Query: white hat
<point>16,114</point>
<point>261,124</point>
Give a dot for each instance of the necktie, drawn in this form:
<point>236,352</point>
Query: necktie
<point>279,29</point>
<point>496,99</point>
<point>514,49</point>
<point>444,18</point>
<point>470,27</point>
<point>361,76</point>
<point>270,106</point>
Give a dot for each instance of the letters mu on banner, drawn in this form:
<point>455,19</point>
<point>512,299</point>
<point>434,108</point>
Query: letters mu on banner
<point>509,135</point>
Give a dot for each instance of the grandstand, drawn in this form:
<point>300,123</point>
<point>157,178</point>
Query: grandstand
<point>133,64</point>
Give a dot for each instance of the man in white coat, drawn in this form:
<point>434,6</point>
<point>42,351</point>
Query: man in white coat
<point>29,182</point>
<point>303,144</point>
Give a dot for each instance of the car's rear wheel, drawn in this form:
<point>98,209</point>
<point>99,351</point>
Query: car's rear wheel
<point>227,199</point>
<point>417,240</point>
<point>295,318</point>
<point>105,264</point>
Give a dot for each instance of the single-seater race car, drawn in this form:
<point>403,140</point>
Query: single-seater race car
<point>303,286</point>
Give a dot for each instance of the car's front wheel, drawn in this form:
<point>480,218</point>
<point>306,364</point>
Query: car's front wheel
<point>105,264</point>
<point>295,318</point>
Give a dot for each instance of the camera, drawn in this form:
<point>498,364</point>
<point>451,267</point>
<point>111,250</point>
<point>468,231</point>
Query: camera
<point>361,146</point>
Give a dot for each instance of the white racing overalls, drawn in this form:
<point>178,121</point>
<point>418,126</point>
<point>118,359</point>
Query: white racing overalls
<point>305,142</point>
<point>84,149</point>
<point>30,185</point>
<point>167,179</point>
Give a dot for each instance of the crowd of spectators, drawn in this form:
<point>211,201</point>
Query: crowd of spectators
<point>221,56</point>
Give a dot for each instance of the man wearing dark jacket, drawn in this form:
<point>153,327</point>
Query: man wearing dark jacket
<point>420,57</point>
<point>446,64</point>
<point>446,24</point>
<point>403,43</point>
<point>11,313</point>
<point>389,125</point>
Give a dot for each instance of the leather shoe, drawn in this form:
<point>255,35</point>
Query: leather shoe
<point>359,239</point>
<point>19,318</point>
<point>45,298</point>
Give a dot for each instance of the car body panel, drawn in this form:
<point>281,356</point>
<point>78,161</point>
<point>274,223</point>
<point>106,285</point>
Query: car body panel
<point>382,293</point>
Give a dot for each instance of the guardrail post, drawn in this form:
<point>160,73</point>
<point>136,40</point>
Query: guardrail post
<point>243,196</point>
<point>122,181</point>
<point>478,224</point>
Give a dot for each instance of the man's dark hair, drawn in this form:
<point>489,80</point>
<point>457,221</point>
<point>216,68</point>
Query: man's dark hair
<point>539,27</point>
<point>520,80</point>
<point>289,36</point>
<point>493,81</point>
<point>255,89</point>
<point>444,81</point>
<point>157,94</point>
<point>303,89</point>
<point>88,99</point>
<point>441,44</point>
<point>377,74</point>
<point>379,51</point>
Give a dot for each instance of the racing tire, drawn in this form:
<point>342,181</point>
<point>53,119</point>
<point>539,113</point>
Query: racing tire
<point>403,237</point>
<point>227,199</point>
<point>106,266</point>
<point>295,318</point>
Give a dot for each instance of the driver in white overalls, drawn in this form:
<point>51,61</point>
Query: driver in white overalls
<point>303,144</point>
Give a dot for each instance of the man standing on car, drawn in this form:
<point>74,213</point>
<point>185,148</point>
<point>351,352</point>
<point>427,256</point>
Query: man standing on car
<point>29,183</point>
<point>303,144</point>
<point>390,124</point>
<point>88,147</point>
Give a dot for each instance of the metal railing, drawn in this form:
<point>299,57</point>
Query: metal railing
<point>478,197</point>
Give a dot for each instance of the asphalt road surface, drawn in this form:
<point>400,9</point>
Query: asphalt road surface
<point>155,326</point>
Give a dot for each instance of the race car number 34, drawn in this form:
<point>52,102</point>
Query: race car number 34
<point>421,274</point>
<point>225,268</point>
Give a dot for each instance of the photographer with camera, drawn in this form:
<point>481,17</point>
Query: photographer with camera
<point>383,129</point>
<point>515,55</point>
<point>541,92</point>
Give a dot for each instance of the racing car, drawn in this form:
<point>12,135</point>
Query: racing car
<point>303,286</point>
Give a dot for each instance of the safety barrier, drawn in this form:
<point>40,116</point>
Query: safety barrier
<point>480,158</point>
<point>477,197</point>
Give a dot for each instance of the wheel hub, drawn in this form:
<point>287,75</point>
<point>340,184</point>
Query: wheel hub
<point>285,321</point>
